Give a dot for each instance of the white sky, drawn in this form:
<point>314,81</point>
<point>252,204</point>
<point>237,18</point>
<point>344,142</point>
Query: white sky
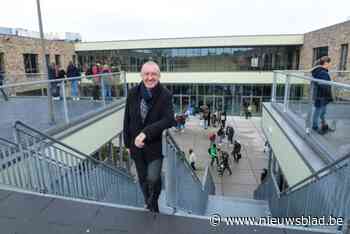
<point>103,20</point>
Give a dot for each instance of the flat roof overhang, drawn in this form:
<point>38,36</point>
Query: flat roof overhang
<point>193,42</point>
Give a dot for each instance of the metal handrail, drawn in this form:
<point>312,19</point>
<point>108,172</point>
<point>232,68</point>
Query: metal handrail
<point>331,83</point>
<point>72,149</point>
<point>316,175</point>
<point>57,80</point>
<point>3,140</point>
<point>173,142</point>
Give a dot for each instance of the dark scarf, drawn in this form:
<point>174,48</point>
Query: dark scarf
<point>146,100</point>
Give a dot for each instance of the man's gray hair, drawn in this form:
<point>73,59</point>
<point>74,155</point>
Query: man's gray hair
<point>152,63</point>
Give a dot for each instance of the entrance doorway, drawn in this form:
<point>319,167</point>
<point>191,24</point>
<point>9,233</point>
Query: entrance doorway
<point>215,103</point>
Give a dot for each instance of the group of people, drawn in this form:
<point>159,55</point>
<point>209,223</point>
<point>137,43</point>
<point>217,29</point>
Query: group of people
<point>56,72</point>
<point>218,118</point>
<point>100,75</point>
<point>153,104</point>
<point>96,73</point>
<point>220,156</point>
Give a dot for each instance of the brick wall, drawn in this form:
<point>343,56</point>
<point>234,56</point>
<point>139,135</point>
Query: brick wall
<point>333,37</point>
<point>13,48</point>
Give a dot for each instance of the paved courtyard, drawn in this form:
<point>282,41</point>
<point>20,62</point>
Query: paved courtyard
<point>246,174</point>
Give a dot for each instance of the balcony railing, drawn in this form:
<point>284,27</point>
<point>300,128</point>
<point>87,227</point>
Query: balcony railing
<point>94,91</point>
<point>304,100</point>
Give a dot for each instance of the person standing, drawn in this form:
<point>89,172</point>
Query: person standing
<point>221,134</point>
<point>223,119</point>
<point>148,112</point>
<point>193,159</point>
<point>52,73</point>
<point>2,78</point>
<point>322,94</point>
<point>72,71</point>
<point>95,70</point>
<point>107,81</point>
<point>230,133</point>
<point>236,153</point>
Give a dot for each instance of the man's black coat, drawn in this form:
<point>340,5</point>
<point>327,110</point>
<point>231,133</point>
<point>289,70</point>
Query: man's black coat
<point>159,118</point>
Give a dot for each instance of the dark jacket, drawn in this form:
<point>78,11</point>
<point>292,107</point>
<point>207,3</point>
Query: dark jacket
<point>159,118</point>
<point>322,92</point>
<point>52,73</point>
<point>230,132</point>
<point>1,78</point>
<point>72,71</point>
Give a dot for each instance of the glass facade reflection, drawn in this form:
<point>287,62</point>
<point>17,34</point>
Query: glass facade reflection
<point>259,58</point>
<point>228,98</point>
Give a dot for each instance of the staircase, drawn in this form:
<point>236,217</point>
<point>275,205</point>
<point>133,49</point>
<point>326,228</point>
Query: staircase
<point>47,179</point>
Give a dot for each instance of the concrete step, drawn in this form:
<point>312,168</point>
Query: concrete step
<point>233,206</point>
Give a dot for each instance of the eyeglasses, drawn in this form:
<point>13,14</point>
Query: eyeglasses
<point>150,74</point>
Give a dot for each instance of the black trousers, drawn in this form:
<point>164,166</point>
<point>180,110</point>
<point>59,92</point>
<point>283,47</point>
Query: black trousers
<point>3,92</point>
<point>230,139</point>
<point>149,175</point>
<point>96,92</point>
<point>228,168</point>
<point>193,166</point>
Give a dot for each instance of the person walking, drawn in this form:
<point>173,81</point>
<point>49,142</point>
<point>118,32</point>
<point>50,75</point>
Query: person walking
<point>213,152</point>
<point>148,112</point>
<point>224,164</point>
<point>236,152</point>
<point>192,159</point>
<point>230,133</point>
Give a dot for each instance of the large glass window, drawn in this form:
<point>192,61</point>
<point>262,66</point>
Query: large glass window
<point>30,63</point>
<point>198,59</point>
<point>58,60</point>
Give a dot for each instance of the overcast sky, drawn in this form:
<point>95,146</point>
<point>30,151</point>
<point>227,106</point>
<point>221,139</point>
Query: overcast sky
<point>104,20</point>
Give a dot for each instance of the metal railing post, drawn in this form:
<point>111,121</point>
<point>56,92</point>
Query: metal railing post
<point>64,97</point>
<point>308,120</point>
<point>103,91</point>
<point>286,93</point>
<point>125,84</point>
<point>274,87</point>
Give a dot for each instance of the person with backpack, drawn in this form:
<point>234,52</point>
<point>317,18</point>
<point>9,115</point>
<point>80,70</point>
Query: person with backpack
<point>224,164</point>
<point>230,133</point>
<point>213,152</point>
<point>236,152</point>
